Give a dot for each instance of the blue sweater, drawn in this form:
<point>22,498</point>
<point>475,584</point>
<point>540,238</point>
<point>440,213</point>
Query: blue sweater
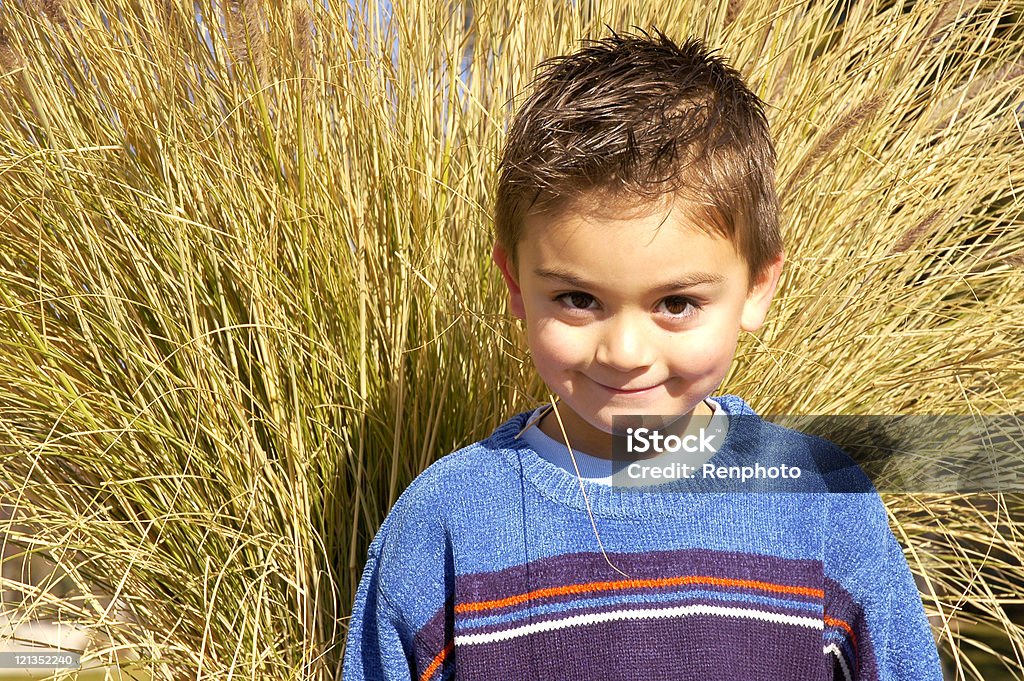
<point>489,566</point>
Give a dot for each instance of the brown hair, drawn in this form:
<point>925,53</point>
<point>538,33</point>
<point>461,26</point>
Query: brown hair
<point>636,119</point>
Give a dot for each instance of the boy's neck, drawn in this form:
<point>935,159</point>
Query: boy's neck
<point>599,444</point>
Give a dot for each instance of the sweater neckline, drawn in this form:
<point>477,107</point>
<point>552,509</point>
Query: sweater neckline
<point>676,498</point>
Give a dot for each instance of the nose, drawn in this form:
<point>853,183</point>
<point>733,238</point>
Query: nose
<point>623,345</point>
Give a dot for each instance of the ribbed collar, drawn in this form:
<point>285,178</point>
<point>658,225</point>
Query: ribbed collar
<point>674,498</point>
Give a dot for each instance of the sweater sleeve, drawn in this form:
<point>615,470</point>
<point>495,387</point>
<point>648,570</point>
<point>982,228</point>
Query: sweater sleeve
<point>401,625</point>
<point>875,624</point>
<point>378,641</point>
<point>909,651</point>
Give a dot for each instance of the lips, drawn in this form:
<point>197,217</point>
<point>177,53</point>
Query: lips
<point>629,391</point>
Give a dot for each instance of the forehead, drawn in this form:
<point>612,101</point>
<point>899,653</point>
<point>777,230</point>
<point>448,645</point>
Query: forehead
<point>627,245</point>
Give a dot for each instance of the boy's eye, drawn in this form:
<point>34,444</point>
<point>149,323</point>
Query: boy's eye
<point>677,306</point>
<point>576,300</point>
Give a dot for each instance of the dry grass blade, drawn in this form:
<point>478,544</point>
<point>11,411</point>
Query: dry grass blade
<point>832,136</point>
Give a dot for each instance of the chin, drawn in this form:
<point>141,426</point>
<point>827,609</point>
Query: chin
<point>651,410</point>
<point>605,424</point>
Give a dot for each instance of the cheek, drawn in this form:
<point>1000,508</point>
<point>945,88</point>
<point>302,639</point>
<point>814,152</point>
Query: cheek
<point>554,346</point>
<point>709,353</point>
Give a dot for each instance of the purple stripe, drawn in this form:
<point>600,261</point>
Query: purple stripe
<point>431,638</point>
<point>697,647</point>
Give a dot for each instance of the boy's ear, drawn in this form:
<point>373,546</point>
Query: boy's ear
<point>515,303</point>
<point>759,298</point>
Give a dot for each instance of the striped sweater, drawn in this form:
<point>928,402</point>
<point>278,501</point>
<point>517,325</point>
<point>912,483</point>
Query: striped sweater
<point>490,566</point>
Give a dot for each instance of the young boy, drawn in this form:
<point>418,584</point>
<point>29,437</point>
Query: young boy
<point>637,233</point>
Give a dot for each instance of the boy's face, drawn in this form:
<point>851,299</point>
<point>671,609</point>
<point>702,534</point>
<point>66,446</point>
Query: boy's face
<point>630,313</point>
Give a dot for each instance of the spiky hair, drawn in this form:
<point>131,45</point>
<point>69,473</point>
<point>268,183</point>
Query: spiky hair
<point>632,119</point>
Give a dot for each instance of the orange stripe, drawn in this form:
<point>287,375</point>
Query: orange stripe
<point>634,584</point>
<point>437,661</point>
<point>833,622</point>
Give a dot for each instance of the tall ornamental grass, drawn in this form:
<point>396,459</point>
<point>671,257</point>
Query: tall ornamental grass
<point>245,290</point>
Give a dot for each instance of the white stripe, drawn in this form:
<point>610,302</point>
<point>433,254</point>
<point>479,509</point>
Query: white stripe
<point>834,649</point>
<point>636,614</point>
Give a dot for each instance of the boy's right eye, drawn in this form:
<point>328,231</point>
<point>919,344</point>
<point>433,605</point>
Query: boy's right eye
<point>576,300</point>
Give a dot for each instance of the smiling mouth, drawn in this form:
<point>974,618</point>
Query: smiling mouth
<point>623,391</point>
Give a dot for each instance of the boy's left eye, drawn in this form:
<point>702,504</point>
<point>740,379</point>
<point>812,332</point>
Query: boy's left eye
<point>677,306</point>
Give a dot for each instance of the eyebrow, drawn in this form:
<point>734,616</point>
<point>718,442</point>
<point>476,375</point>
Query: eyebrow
<point>688,281</point>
